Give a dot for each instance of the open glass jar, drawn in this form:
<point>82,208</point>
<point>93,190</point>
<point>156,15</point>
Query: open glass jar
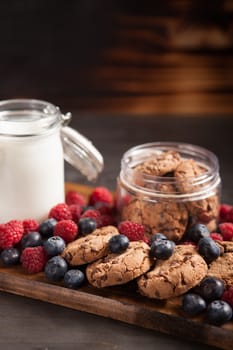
<point>166,186</point>
<point>34,140</point>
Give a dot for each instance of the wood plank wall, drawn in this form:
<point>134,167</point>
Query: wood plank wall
<point>108,56</point>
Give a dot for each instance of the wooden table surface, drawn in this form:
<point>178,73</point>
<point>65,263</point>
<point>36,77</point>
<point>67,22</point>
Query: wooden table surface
<point>30,324</point>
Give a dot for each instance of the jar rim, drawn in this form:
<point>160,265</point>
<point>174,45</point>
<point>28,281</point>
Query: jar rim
<point>138,154</point>
<point>27,117</point>
<point>177,146</point>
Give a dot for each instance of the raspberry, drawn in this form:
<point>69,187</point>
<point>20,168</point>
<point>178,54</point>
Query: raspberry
<point>228,296</point>
<point>134,231</point>
<point>6,239</point>
<point>230,215</point>
<point>66,229</point>
<point>216,236</point>
<point>11,233</point>
<point>226,229</point>
<point>34,259</point>
<point>30,225</point>
<point>104,208</point>
<point>93,213</point>
<point>126,199</point>
<point>60,212</point>
<point>76,211</point>
<point>101,194</point>
<point>146,240</point>
<point>73,197</point>
<point>224,212</point>
<point>122,202</point>
<point>107,220</point>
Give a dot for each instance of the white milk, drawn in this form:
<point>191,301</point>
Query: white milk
<point>33,135</point>
<point>31,176</point>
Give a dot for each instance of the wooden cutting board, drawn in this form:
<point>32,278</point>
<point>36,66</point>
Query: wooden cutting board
<point>121,303</point>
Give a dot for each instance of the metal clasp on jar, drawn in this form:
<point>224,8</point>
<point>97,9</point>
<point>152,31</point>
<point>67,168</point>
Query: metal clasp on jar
<point>65,118</point>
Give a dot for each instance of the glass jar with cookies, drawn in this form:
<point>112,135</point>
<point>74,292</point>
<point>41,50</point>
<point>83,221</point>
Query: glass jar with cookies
<point>167,186</point>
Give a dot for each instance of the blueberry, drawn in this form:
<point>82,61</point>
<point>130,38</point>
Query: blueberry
<point>46,228</point>
<point>86,225</point>
<point>32,239</point>
<point>156,237</point>
<point>162,249</point>
<point>55,268</point>
<point>74,278</point>
<point>211,288</point>
<point>10,256</point>
<point>208,249</point>
<point>197,231</point>
<point>193,304</point>
<point>118,244</point>
<point>218,312</point>
<point>54,245</point>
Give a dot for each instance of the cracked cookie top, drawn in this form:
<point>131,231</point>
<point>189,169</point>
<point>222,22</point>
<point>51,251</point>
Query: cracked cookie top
<point>89,248</point>
<point>117,269</point>
<point>174,276</point>
<point>160,165</point>
<point>222,267</point>
<point>185,172</point>
<point>226,246</point>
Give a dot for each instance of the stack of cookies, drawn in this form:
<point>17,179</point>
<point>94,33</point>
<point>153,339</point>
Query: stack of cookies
<point>156,278</point>
<point>173,191</point>
<point>105,268</point>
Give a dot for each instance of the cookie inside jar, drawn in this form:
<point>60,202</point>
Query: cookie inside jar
<point>169,186</point>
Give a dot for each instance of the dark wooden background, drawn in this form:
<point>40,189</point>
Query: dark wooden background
<point>117,56</point>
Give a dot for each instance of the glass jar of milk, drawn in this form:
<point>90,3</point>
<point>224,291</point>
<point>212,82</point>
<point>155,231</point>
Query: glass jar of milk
<point>34,140</point>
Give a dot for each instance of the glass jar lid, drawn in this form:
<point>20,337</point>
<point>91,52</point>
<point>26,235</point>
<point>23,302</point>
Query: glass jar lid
<point>26,118</point>
<point>152,186</point>
<point>81,154</point>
